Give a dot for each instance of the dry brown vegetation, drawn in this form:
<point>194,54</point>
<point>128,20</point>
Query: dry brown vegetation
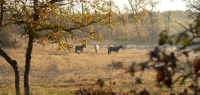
<point>60,73</point>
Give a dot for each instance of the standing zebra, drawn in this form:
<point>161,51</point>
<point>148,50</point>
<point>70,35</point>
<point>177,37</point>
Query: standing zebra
<point>96,47</point>
<point>114,49</point>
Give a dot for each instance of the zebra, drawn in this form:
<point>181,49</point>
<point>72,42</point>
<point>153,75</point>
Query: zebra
<point>114,49</point>
<point>80,48</point>
<point>96,47</point>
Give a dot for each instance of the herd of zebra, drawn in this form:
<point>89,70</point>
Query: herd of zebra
<point>96,47</point>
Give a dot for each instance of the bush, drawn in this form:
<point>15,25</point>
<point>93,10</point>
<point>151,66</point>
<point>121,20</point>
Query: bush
<point>6,38</point>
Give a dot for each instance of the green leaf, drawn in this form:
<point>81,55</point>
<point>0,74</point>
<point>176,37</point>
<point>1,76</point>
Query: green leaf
<point>161,41</point>
<point>170,42</point>
<point>161,34</point>
<point>177,40</point>
<point>185,42</point>
<point>198,50</point>
<point>185,35</point>
<point>183,80</point>
<point>195,52</point>
<point>138,81</point>
<point>166,36</point>
<point>62,31</point>
<point>198,29</point>
<point>176,80</point>
<point>159,85</point>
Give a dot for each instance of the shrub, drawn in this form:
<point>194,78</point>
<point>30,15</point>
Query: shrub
<point>6,38</point>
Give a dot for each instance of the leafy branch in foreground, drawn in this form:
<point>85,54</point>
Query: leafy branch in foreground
<point>167,61</point>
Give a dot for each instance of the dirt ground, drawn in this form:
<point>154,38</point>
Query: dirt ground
<point>58,73</point>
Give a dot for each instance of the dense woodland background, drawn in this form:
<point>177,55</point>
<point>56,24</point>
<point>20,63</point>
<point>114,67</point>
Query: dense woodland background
<point>123,32</point>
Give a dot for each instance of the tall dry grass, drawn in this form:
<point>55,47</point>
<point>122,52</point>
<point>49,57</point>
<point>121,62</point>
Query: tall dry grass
<point>59,73</point>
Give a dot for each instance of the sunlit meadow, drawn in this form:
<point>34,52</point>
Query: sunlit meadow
<point>54,73</point>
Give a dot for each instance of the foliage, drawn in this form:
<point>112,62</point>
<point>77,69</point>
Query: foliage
<point>56,22</point>
<point>6,38</point>
<point>129,28</point>
<point>138,12</point>
<point>164,74</point>
<point>136,18</point>
<point>193,8</point>
<point>153,29</point>
<point>122,19</point>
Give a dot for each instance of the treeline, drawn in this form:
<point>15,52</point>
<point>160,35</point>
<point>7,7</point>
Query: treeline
<point>125,29</point>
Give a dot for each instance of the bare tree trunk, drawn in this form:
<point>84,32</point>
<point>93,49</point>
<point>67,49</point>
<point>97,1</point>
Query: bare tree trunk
<point>137,32</point>
<point>14,65</point>
<point>1,19</point>
<point>168,23</point>
<point>152,36</point>
<point>27,65</point>
<point>82,9</point>
<point>1,13</point>
<point>151,24</point>
<point>151,31</point>
<point>111,31</point>
<point>168,18</point>
<point>125,30</point>
<point>110,19</point>
<point>29,50</point>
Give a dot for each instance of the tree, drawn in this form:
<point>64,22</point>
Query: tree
<point>152,4</point>
<point>50,17</point>
<point>12,62</point>
<point>193,7</point>
<point>168,14</point>
<point>110,5</point>
<point>122,19</point>
<point>137,12</point>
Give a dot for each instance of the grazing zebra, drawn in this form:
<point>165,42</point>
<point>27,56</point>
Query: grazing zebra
<point>114,49</point>
<point>96,47</point>
<point>80,48</point>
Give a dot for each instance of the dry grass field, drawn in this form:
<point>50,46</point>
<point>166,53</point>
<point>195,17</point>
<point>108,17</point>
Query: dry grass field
<point>55,73</point>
